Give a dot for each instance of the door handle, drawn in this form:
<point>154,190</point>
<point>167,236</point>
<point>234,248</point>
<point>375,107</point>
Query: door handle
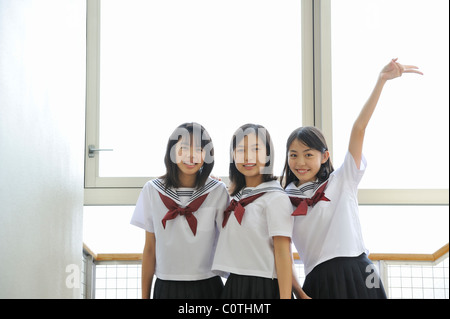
<point>92,150</point>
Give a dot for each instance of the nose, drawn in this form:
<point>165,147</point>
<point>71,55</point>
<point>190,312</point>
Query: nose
<point>300,161</point>
<point>195,155</point>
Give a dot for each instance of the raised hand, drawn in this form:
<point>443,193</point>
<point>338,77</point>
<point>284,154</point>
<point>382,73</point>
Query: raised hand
<point>395,69</point>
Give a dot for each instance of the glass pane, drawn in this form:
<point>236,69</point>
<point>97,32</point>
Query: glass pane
<point>404,229</point>
<point>406,142</point>
<point>107,229</point>
<point>219,63</point>
<point>386,229</point>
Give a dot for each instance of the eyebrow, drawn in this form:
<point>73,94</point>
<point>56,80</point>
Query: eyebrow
<point>294,151</point>
<point>189,144</point>
<point>241,145</point>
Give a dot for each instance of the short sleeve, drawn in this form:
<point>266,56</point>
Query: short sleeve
<point>142,213</point>
<point>349,171</point>
<point>279,215</point>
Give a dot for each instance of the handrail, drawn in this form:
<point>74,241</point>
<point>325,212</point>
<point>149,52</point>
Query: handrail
<point>398,257</point>
<point>89,251</point>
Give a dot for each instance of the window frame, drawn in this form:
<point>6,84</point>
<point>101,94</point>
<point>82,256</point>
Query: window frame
<point>316,110</point>
<point>92,178</point>
<point>125,190</point>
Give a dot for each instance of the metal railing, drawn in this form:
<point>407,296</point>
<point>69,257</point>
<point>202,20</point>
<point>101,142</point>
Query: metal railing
<point>404,276</point>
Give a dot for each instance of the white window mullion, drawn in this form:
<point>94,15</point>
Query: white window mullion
<point>403,196</point>
<point>92,89</point>
<point>307,63</point>
<point>322,70</point>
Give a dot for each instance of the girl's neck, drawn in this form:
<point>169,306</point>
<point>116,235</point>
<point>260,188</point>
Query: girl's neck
<point>299,183</point>
<point>187,181</point>
<point>253,181</point>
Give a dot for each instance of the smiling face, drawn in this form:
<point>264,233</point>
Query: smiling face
<point>247,156</point>
<point>305,162</point>
<point>189,158</point>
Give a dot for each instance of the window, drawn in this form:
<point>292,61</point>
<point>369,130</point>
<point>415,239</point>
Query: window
<point>407,138</point>
<point>282,64</point>
<point>222,64</point>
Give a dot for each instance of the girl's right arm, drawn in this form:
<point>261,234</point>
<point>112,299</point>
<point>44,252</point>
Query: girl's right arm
<point>296,287</point>
<point>283,265</point>
<point>148,264</point>
<point>391,71</point>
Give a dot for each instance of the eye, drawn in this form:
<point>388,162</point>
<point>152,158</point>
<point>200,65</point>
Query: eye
<point>309,155</point>
<point>293,155</point>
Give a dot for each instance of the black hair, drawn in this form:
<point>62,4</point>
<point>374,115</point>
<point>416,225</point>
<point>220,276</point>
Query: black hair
<point>237,179</point>
<point>199,136</point>
<point>313,138</point>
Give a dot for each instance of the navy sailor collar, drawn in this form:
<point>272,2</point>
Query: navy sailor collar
<point>306,190</point>
<point>209,186</point>
<point>271,186</point>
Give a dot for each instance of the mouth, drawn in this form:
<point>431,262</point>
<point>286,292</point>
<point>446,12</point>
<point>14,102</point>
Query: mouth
<point>302,171</point>
<point>249,166</point>
<point>189,165</point>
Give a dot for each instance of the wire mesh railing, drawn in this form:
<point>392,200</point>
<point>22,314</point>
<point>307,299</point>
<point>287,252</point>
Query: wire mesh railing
<point>118,276</point>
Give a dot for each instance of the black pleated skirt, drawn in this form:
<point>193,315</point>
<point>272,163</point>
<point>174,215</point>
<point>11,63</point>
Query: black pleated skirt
<point>199,289</point>
<point>250,287</point>
<point>345,278</point>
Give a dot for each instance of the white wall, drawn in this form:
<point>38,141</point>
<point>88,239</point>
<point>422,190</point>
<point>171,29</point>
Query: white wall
<point>42,103</point>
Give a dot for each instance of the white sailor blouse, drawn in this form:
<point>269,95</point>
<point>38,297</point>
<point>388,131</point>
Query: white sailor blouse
<point>186,224</point>
<point>245,244</point>
<point>330,227</point>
